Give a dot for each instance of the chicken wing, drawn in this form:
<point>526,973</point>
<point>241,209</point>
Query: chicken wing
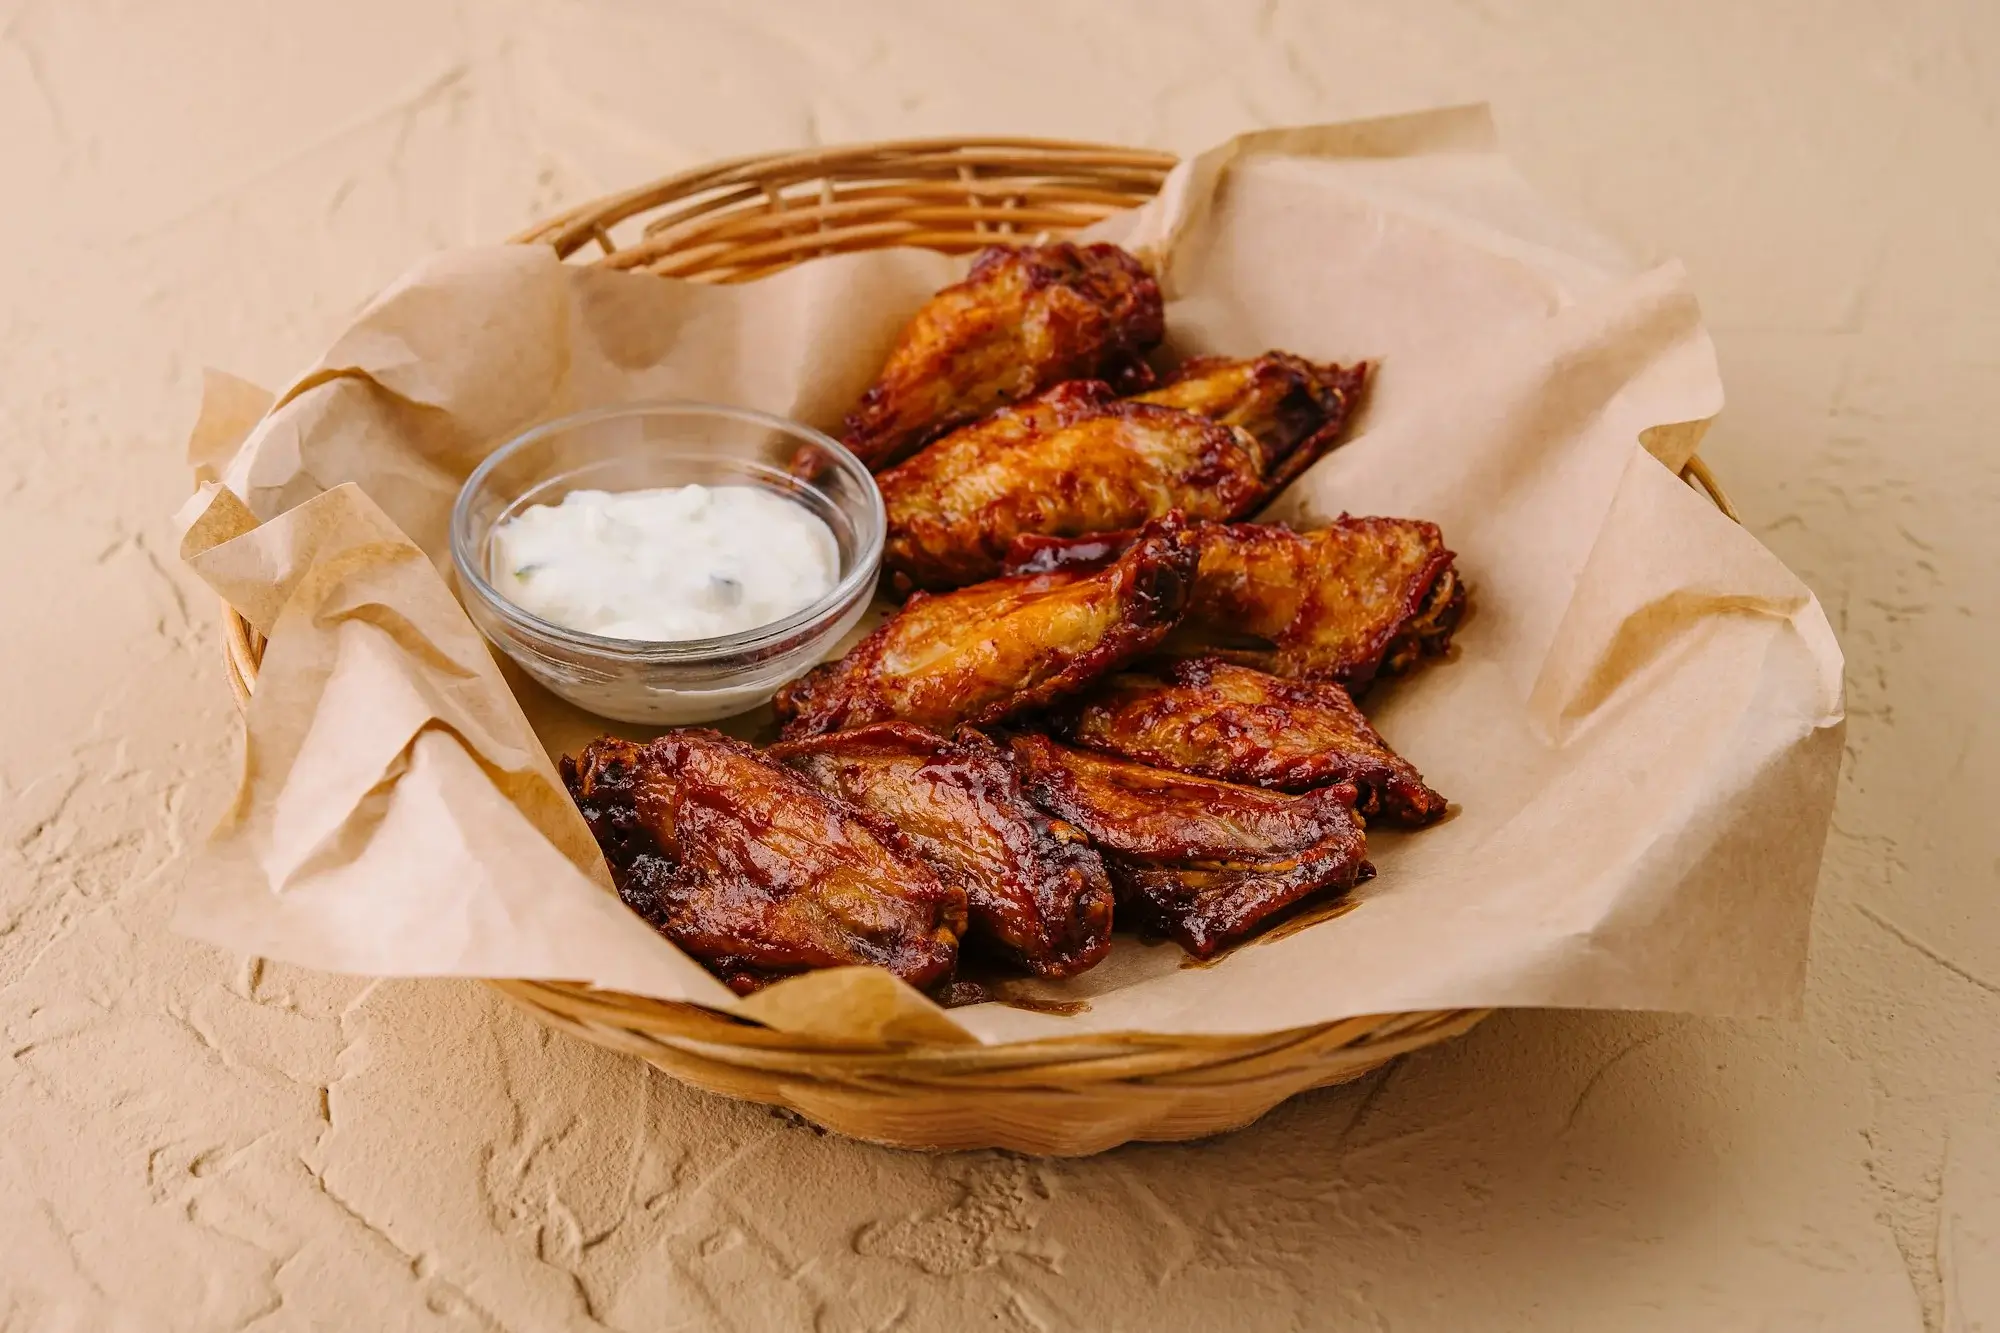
<point>982,653</point>
<point>1295,409</point>
<point>1358,598</point>
<point>1022,320</point>
<point>756,872</point>
<point>1235,724</point>
<point>1355,599</point>
<point>1075,459</point>
<point>1215,444</point>
<point>1203,862</point>
<point>1036,889</point>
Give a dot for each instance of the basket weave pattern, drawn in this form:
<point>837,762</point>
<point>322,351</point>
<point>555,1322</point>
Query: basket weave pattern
<point>744,219</point>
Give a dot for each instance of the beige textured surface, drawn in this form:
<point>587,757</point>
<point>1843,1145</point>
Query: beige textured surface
<point>192,1142</point>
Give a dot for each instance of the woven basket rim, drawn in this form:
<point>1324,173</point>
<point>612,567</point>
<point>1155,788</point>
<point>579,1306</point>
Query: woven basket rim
<point>724,192</point>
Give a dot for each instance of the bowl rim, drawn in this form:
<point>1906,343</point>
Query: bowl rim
<point>715,648</point>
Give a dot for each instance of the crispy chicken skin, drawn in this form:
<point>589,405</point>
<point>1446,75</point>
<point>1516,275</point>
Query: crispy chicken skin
<point>1358,598</point>
<point>1232,723</point>
<point>1022,320</point>
<point>1295,409</point>
<point>986,652</point>
<point>755,871</point>
<point>1203,862</point>
<point>1036,890</point>
<point>1215,443</point>
<point>1075,459</point>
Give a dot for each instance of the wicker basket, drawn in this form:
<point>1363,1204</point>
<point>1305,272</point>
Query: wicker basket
<point>740,220</point>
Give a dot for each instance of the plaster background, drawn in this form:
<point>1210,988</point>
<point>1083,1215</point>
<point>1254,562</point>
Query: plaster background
<point>190,1141</point>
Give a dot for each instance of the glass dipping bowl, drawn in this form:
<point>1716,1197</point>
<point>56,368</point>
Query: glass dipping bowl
<point>646,445</point>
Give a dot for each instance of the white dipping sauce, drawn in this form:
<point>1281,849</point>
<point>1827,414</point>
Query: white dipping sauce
<point>679,562</point>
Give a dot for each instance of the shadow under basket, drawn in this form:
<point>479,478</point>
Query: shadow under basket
<point>748,218</point>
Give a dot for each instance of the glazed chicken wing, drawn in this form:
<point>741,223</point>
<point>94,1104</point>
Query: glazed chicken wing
<point>1204,862</point>
<point>1294,408</point>
<point>1036,889</point>
<point>1022,320</point>
<point>755,871</point>
<point>1357,598</point>
<point>1073,460</point>
<point>985,652</point>
<point>1215,444</point>
<point>1235,724</point>
<point>1346,602</point>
